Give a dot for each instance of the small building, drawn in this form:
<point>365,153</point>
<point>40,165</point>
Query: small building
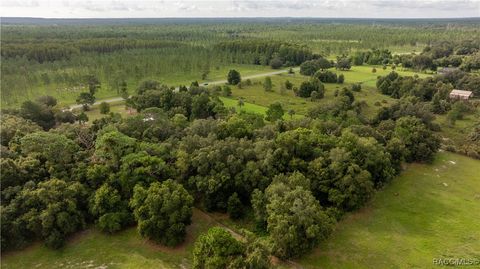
<point>446,70</point>
<point>461,95</point>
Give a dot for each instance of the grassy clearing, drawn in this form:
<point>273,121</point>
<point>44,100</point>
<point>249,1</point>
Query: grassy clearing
<point>67,95</point>
<point>247,107</point>
<point>255,94</point>
<point>257,100</point>
<point>430,211</point>
<point>126,249</point>
<point>363,74</point>
<point>115,107</point>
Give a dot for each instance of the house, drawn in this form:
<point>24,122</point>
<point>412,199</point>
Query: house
<point>446,70</point>
<point>459,94</point>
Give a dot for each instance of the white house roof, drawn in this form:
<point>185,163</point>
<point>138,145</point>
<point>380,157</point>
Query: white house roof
<point>461,93</point>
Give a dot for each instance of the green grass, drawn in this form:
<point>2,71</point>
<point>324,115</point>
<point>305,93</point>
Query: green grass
<point>126,249</point>
<point>115,107</point>
<point>252,108</point>
<point>247,107</point>
<point>430,211</point>
<point>257,100</point>
<point>255,94</point>
<point>363,74</point>
<point>67,95</point>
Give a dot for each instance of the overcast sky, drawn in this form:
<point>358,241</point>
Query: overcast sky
<point>237,8</point>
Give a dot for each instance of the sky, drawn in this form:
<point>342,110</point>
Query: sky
<point>237,8</point>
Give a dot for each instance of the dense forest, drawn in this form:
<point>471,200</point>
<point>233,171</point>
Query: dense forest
<point>293,178</point>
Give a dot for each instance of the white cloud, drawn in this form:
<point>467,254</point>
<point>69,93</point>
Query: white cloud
<point>239,8</point>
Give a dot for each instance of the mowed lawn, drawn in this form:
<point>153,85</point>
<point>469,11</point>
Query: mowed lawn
<point>430,211</point>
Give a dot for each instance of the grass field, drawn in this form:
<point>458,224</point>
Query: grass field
<point>67,95</point>
<point>255,94</point>
<point>257,100</point>
<point>115,107</point>
<point>430,211</point>
<point>126,249</point>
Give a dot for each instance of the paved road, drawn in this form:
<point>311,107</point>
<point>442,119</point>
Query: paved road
<point>116,99</point>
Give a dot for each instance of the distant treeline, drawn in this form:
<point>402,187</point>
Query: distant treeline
<point>49,52</point>
<point>265,51</point>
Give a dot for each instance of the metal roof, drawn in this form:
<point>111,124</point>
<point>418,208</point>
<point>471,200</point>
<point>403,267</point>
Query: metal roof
<point>460,92</point>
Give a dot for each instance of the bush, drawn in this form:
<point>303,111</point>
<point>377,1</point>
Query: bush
<point>356,87</point>
<point>217,249</point>
<point>307,87</point>
<point>104,108</point>
<point>226,91</point>
<point>276,63</point>
<point>233,77</point>
<point>326,76</point>
<point>234,206</point>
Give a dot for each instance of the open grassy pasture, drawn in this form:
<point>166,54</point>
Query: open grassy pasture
<point>430,211</point>
<point>257,100</point>
<point>363,74</point>
<point>255,94</point>
<point>115,107</point>
<point>67,95</point>
<point>126,249</point>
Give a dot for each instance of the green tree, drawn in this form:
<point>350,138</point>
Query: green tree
<point>288,84</point>
<point>55,150</point>
<point>140,168</point>
<point>276,63</point>
<point>124,90</point>
<point>14,127</point>
<point>93,84</point>
<point>82,118</point>
<point>104,108</point>
<point>111,146</point>
<point>307,87</point>
<point>226,91</point>
<point>343,63</point>
<point>323,63</point>
<point>234,206</point>
<point>163,211</point>
<point>308,68</point>
<point>295,220</point>
<point>421,144</point>
<point>275,112</point>
<point>267,84</point>
<point>112,212</point>
<point>47,100</point>
<point>38,113</point>
<point>86,99</point>
<point>291,112</point>
<point>217,249</point>
<point>51,210</point>
<point>233,77</point>
<point>240,103</point>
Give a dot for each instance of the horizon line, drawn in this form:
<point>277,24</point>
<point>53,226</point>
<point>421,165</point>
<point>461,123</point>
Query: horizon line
<point>239,17</point>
